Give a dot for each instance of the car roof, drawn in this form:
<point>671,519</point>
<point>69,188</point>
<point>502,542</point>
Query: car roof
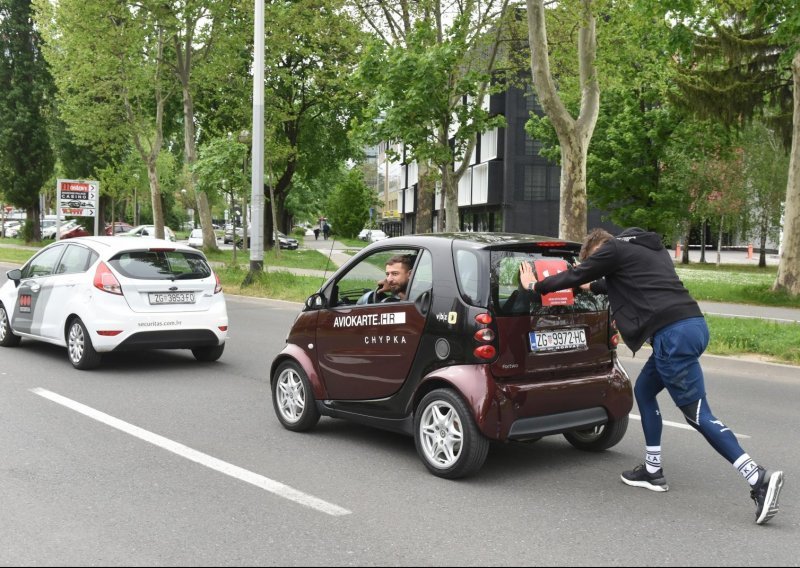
<point>477,240</point>
<point>108,246</point>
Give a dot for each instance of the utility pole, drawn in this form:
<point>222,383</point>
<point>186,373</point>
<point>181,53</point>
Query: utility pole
<point>257,187</point>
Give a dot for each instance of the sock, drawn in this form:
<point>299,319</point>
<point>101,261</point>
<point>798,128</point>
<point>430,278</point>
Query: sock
<point>652,458</point>
<point>748,468</point>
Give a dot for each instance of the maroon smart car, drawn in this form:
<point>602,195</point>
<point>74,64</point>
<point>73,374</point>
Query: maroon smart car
<point>464,356</point>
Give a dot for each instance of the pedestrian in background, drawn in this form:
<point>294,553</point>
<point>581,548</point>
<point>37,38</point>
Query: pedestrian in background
<point>326,230</point>
<point>316,233</point>
<point>649,303</point>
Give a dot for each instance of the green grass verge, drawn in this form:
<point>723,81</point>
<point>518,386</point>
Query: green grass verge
<point>273,285</point>
<point>300,258</point>
<point>734,284</point>
<point>776,341</point>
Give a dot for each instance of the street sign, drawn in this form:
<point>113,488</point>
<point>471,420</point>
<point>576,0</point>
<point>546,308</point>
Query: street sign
<point>78,198</point>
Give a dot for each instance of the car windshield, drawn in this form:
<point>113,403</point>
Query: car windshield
<point>161,265</point>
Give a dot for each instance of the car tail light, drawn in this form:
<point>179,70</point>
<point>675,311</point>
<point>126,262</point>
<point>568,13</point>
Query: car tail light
<point>165,249</point>
<point>105,280</point>
<point>613,334</point>
<point>223,327</point>
<point>218,285</point>
<point>109,332</point>
<point>484,318</point>
<point>485,352</point>
<point>485,335</point>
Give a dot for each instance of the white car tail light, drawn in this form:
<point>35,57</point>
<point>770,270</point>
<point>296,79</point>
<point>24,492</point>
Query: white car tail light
<point>105,280</point>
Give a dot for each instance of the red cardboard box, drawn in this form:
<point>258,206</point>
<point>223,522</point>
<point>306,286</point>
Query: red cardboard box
<point>545,268</point>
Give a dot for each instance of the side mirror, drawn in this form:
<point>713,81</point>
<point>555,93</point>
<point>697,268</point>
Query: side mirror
<point>315,302</point>
<point>15,276</point>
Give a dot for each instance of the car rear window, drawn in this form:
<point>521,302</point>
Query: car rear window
<point>508,296</point>
<point>161,265</point>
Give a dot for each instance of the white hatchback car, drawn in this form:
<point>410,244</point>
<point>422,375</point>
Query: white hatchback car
<point>95,295</point>
<point>195,238</point>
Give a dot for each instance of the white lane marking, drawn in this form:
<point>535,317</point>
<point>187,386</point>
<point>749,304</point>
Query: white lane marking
<point>685,426</point>
<point>237,472</point>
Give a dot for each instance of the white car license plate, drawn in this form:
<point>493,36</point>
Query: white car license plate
<point>171,298</point>
<point>557,340</point>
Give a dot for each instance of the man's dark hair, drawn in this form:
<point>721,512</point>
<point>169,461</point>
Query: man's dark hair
<point>406,260</point>
<point>595,238</point>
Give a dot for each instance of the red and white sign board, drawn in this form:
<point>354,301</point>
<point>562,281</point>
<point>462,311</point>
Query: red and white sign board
<point>545,268</point>
<point>77,198</point>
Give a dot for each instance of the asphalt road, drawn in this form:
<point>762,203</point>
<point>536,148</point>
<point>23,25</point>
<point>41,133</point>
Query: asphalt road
<point>157,460</point>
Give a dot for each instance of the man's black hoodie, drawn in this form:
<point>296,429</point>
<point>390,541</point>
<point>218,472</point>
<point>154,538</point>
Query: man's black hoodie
<point>643,289</point>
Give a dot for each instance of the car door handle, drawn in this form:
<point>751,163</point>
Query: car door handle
<point>423,302</point>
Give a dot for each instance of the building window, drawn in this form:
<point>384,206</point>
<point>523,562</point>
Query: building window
<point>534,186</point>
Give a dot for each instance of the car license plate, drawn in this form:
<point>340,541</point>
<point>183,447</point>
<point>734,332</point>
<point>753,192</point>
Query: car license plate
<point>171,298</point>
<point>557,340</point>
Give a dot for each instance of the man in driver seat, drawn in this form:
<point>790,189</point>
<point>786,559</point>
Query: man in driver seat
<point>393,288</point>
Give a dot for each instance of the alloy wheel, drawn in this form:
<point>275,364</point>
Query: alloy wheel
<point>441,434</point>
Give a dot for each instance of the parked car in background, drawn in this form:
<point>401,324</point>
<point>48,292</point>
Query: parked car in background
<point>195,238</point>
<point>72,229</point>
<point>12,228</point>
<point>463,357</point>
<point>372,235</point>
<point>48,228</point>
<point>288,243</point>
<point>95,295</point>
<point>117,227</point>
<point>149,231</point>
<point>227,237</point>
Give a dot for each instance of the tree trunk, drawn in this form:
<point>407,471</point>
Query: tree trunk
<point>686,235</point>
<point>574,135</point>
<point>719,241</point>
<point>703,241</point>
<point>762,255</point>
<point>789,268</point>
<point>155,198</point>
<point>425,191</point>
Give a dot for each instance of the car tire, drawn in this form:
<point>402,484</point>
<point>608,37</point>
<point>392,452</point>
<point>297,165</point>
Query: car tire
<point>600,437</point>
<point>80,350</point>
<point>293,398</point>
<point>208,354</point>
<point>7,337</point>
<point>446,436</point>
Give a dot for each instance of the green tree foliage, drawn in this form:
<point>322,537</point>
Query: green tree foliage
<point>740,60</point>
<point>348,204</point>
<point>26,157</point>
<point>766,172</point>
<point>107,59</point>
<point>311,52</point>
<point>426,79</point>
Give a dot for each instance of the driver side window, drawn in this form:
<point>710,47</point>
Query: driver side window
<point>358,285</point>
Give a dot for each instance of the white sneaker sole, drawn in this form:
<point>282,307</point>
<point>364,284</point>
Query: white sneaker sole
<point>771,500</point>
<point>645,484</point>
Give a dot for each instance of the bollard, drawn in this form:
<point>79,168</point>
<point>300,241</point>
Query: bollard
<point>750,251</point>
<point>678,251</point>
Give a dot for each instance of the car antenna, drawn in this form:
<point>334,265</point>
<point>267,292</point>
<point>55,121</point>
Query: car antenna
<point>327,264</point>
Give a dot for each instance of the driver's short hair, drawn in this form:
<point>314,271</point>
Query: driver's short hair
<point>406,260</point>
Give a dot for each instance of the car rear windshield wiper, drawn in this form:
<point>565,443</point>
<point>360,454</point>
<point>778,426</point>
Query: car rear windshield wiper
<point>190,276</point>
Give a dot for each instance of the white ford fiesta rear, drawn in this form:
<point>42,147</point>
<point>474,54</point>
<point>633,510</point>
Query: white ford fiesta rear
<point>112,294</point>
